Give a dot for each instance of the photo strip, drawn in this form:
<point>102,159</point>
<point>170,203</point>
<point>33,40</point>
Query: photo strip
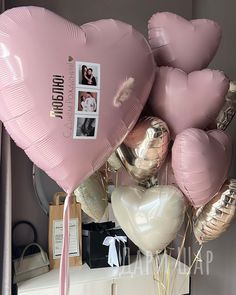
<point>88,75</point>
<point>86,101</point>
<point>85,127</point>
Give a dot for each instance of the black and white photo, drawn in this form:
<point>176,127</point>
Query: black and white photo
<point>85,127</point>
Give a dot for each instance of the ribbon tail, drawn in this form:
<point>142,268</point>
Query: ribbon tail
<point>112,255</point>
<point>64,264</point>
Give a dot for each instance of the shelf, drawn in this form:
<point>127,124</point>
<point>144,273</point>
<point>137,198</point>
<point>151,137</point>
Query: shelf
<point>136,277</point>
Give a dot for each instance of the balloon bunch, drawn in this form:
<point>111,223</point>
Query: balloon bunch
<point>43,84</point>
<point>182,144</point>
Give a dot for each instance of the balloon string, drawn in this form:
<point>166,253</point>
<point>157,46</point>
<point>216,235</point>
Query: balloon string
<point>190,268</point>
<point>179,254</point>
<point>117,179</point>
<point>168,274</point>
<point>104,177</point>
<point>166,173</point>
<point>64,278</point>
<point>157,275</point>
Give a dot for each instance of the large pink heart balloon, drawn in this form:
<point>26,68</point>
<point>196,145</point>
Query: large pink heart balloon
<point>69,94</point>
<point>188,100</point>
<point>201,161</point>
<point>183,44</point>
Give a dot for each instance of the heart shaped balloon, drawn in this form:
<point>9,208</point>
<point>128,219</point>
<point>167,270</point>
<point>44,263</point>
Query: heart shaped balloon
<point>201,162</point>
<point>183,44</point>
<point>188,100</point>
<point>150,218</point>
<point>145,148</point>
<point>211,220</point>
<point>69,94</point>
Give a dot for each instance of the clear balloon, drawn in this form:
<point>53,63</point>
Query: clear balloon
<point>216,216</point>
<point>228,111</point>
<point>145,148</point>
<point>151,218</point>
<point>92,196</point>
<point>183,44</point>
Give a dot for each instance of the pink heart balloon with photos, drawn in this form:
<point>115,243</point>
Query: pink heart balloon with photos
<point>43,88</point>
<point>188,100</point>
<point>201,162</point>
<point>183,44</point>
<point>70,95</point>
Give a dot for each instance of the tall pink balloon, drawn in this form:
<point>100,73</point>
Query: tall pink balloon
<point>48,68</point>
<point>183,44</point>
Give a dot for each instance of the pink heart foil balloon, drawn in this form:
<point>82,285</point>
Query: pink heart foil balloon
<point>41,84</point>
<point>70,95</point>
<point>183,44</point>
<point>201,162</point>
<point>188,100</point>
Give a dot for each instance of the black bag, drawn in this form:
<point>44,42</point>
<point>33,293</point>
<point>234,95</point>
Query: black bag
<point>94,252</point>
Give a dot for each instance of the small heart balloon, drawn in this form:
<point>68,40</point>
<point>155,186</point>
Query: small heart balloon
<point>145,148</point>
<point>92,196</point>
<point>201,162</point>
<point>150,218</point>
<point>188,100</point>
<point>183,44</point>
<point>211,220</point>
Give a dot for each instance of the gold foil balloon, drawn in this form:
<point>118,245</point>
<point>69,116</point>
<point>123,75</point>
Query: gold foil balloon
<point>92,196</point>
<point>151,218</point>
<point>114,162</point>
<point>229,109</point>
<point>214,218</point>
<point>145,148</point>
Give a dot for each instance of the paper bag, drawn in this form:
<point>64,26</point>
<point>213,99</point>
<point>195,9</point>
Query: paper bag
<point>55,234</point>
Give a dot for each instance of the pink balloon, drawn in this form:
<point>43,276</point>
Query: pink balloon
<point>188,100</point>
<point>201,162</point>
<point>41,59</point>
<point>70,95</point>
<point>183,44</point>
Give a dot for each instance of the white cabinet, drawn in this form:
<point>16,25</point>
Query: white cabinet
<point>135,279</point>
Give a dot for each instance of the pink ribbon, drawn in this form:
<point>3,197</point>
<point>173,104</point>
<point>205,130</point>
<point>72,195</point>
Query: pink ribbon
<point>64,265</point>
